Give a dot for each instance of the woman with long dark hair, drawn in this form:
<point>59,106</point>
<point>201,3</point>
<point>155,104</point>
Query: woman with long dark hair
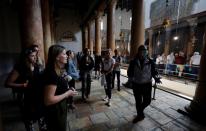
<point>25,80</point>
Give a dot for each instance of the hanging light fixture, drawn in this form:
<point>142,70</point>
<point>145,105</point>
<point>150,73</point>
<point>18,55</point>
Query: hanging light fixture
<point>166,22</point>
<point>176,37</point>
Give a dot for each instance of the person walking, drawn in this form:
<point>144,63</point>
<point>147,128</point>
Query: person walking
<point>107,69</point>
<point>116,70</point>
<point>86,66</point>
<point>140,72</point>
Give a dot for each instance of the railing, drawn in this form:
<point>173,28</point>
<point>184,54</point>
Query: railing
<point>156,87</point>
<point>187,72</point>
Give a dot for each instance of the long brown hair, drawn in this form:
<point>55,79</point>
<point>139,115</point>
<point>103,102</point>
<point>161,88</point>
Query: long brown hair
<point>54,51</point>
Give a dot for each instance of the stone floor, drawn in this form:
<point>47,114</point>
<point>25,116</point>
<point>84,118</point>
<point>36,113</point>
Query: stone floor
<point>94,115</point>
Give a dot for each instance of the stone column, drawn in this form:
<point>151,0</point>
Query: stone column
<point>137,29</point>
<point>150,42</point>
<point>110,25</point>
<point>31,24</point>
<point>90,43</point>
<point>167,41</point>
<point>52,25</point>
<point>190,45</point>
<point>197,107</point>
<point>83,39</point>
<point>98,34</point>
<point>86,38</point>
<point>46,26</point>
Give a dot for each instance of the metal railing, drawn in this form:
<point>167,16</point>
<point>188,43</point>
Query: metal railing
<point>170,92</point>
<point>187,71</point>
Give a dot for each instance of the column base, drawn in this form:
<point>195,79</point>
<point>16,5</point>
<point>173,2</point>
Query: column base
<point>196,112</point>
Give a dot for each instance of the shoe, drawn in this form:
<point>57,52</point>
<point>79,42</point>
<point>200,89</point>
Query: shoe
<point>84,100</point>
<point>119,89</point>
<point>105,99</point>
<point>138,118</point>
<point>87,96</point>
<point>108,103</point>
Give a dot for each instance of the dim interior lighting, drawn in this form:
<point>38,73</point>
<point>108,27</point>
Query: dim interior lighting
<point>175,38</point>
<point>158,43</point>
<point>178,13</point>
<point>101,25</point>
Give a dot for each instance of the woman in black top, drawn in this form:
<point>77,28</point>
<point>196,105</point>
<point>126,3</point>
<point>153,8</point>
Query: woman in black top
<point>25,80</point>
<point>56,89</point>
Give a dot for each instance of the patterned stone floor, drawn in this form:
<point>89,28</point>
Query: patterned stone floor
<point>94,115</point>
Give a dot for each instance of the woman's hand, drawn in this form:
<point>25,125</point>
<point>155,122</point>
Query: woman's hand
<point>71,93</point>
<point>25,84</point>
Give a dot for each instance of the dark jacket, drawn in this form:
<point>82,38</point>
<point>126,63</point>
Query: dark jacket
<point>86,66</point>
<point>142,74</point>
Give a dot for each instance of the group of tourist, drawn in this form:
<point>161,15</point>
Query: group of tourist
<point>45,92</point>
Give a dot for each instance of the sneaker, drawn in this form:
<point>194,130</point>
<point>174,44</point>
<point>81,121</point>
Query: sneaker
<point>105,99</point>
<point>138,118</point>
<point>108,103</point>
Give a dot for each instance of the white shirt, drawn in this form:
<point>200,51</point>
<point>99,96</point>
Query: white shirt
<point>158,60</point>
<point>195,60</point>
<point>161,60</point>
<point>107,64</point>
<point>170,59</point>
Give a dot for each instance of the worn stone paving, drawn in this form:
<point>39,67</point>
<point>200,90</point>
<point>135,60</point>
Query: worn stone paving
<point>94,115</point>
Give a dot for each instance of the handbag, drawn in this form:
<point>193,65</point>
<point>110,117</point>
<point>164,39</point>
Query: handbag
<point>103,80</point>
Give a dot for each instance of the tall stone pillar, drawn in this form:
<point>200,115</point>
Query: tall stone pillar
<point>46,26</point>
<point>83,39</point>
<point>167,41</point>
<point>90,43</point>
<point>197,107</point>
<point>98,34</point>
<point>150,42</point>
<point>86,37</point>
<point>110,25</point>
<point>52,24</point>
<point>137,29</point>
<point>31,24</point>
<point>191,42</point>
